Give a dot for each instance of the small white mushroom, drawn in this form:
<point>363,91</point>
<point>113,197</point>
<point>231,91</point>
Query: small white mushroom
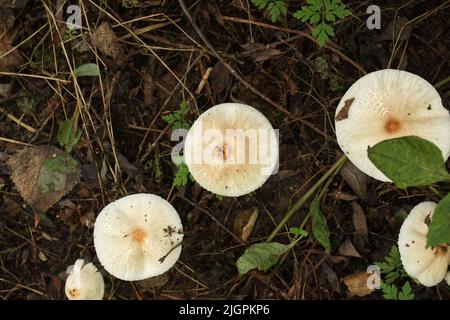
<point>389,104</point>
<point>231,149</point>
<point>138,236</point>
<point>427,265</point>
<point>84,282</point>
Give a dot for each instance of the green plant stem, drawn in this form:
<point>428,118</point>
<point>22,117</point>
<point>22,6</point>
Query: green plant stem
<point>442,82</point>
<point>335,168</point>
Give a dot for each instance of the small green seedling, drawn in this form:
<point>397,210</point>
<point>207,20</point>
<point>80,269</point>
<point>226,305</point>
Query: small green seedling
<point>277,9</point>
<point>182,176</point>
<point>319,13</point>
<point>178,119</point>
<point>393,271</point>
<point>66,137</point>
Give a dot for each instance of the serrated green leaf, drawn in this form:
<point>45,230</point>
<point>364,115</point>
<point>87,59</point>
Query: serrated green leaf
<point>66,137</point>
<point>51,181</point>
<point>261,256</point>
<point>439,228</point>
<point>298,231</point>
<point>389,291</point>
<point>87,70</point>
<point>409,161</point>
<point>63,164</point>
<point>406,292</point>
<point>182,176</point>
<point>320,229</point>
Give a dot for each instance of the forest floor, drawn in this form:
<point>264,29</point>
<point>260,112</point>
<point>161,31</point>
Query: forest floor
<point>151,59</point>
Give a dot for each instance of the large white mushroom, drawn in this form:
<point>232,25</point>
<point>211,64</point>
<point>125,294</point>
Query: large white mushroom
<point>427,265</point>
<point>231,149</point>
<point>389,104</point>
<point>84,282</point>
<point>138,236</point>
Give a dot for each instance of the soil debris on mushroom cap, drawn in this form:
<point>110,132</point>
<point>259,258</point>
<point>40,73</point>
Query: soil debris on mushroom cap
<point>343,113</point>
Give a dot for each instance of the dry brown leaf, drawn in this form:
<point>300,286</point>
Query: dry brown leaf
<point>355,179</point>
<point>331,277</point>
<point>260,52</point>
<point>13,3</point>
<point>339,195</point>
<point>357,284</point>
<point>348,249</point>
<point>25,168</point>
<point>359,221</point>
<point>398,29</point>
<point>154,282</point>
<point>11,60</point>
<point>219,79</point>
<point>245,222</point>
<point>104,39</point>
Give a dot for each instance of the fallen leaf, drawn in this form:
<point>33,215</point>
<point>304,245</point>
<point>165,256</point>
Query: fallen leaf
<point>357,284</point>
<point>25,169</point>
<point>104,39</point>
<point>220,79</point>
<point>339,195</point>
<point>347,249</point>
<point>355,179</point>
<point>260,52</point>
<point>398,29</point>
<point>359,221</point>
<point>154,282</point>
<point>331,277</point>
<point>9,58</point>
<point>245,222</point>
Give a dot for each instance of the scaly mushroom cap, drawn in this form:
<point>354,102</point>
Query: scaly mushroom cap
<point>84,282</point>
<point>388,104</point>
<point>231,149</point>
<point>427,265</point>
<point>136,237</point>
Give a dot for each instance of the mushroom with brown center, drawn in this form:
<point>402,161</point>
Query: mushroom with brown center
<point>231,149</point>
<point>138,236</point>
<point>427,265</point>
<point>389,104</point>
<point>84,282</point>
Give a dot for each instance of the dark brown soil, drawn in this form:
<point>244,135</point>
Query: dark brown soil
<point>125,147</point>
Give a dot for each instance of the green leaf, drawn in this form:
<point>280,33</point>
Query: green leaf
<point>298,232</point>
<point>50,181</point>
<point>409,161</point>
<point>319,225</point>
<point>87,70</point>
<point>183,175</point>
<point>389,291</point>
<point>66,137</point>
<point>261,256</point>
<point>62,164</point>
<point>406,292</point>
<point>439,228</point>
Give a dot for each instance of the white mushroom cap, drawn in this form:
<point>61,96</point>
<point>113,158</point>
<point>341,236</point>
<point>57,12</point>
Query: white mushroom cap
<point>231,149</point>
<point>427,265</point>
<point>447,278</point>
<point>389,104</point>
<point>133,233</point>
<point>84,282</point>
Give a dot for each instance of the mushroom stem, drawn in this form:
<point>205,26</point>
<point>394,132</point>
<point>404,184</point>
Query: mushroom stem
<point>331,172</point>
